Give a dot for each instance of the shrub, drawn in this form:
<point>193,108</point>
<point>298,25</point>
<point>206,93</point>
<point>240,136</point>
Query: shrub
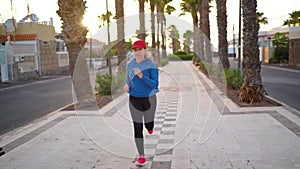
<point>104,84</point>
<point>273,60</point>
<point>186,57</point>
<point>281,55</point>
<point>203,65</point>
<point>212,70</point>
<point>179,53</point>
<point>172,57</point>
<point>180,57</point>
<point>109,83</point>
<point>163,62</point>
<point>195,59</point>
<point>233,78</point>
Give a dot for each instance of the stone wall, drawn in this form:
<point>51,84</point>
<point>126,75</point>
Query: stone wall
<point>294,52</point>
<point>294,46</point>
<point>19,76</point>
<point>48,57</point>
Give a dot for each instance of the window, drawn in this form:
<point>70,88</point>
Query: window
<point>46,42</point>
<point>19,58</point>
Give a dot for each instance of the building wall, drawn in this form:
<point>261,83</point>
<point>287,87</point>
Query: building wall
<point>2,29</point>
<point>294,46</point>
<point>44,32</point>
<point>48,57</point>
<point>294,52</point>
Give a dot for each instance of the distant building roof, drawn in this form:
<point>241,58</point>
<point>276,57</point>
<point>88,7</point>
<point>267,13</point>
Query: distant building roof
<point>19,37</point>
<point>272,32</point>
<point>94,41</point>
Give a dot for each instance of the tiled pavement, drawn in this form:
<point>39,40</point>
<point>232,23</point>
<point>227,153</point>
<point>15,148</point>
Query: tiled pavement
<point>196,126</point>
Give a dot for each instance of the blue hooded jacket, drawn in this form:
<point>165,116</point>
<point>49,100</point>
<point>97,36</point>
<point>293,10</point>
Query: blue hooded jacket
<point>147,85</point>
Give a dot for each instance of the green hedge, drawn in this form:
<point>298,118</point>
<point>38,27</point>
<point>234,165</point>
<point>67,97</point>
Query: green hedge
<point>180,57</point>
<point>178,53</point>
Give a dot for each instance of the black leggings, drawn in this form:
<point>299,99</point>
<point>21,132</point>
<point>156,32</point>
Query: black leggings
<point>142,111</point>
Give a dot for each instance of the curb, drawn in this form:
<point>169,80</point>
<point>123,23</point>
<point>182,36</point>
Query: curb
<point>289,108</point>
<point>290,69</point>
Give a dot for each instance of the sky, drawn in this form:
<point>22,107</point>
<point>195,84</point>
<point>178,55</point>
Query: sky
<point>276,11</point>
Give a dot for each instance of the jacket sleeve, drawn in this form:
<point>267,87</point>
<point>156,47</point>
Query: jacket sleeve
<point>153,80</point>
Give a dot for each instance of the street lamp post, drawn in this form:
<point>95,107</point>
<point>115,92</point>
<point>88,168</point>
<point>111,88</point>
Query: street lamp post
<point>239,41</point>
<point>234,55</point>
<point>108,39</point>
<point>91,50</point>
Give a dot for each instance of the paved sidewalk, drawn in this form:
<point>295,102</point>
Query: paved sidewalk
<point>196,127</point>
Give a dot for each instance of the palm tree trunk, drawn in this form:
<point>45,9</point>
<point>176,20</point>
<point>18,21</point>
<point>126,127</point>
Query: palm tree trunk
<point>158,13</point>
<point>81,78</point>
<point>142,33</point>
<point>197,37</point>
<point>121,47</point>
<point>74,35</point>
<point>163,37</point>
<point>252,89</point>
<point>222,32</point>
<point>174,45</point>
<point>204,17</point>
<point>205,28</point>
<point>152,6</point>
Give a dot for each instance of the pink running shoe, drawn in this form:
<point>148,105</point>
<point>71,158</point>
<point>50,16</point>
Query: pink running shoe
<point>150,131</point>
<point>141,160</point>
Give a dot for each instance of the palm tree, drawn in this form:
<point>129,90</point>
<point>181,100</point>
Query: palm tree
<point>205,29</point>
<point>161,7</point>
<point>169,9</point>
<point>261,18</point>
<point>192,7</point>
<point>204,17</point>
<point>222,32</point>
<point>174,35</point>
<point>142,31</point>
<point>103,18</point>
<point>287,22</point>
<point>251,65</point>
<point>121,48</point>
<point>152,8</point>
<point>188,35</point>
<point>106,18</point>
<point>159,18</point>
<point>165,9</point>
<point>74,34</point>
<point>294,19</point>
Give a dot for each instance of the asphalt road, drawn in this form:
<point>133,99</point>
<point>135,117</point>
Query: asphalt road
<point>22,105</point>
<point>24,102</point>
<point>282,84</point>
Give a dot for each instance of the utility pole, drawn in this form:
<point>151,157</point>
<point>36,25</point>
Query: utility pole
<point>239,41</point>
<point>108,39</point>
<point>91,50</point>
<point>234,55</point>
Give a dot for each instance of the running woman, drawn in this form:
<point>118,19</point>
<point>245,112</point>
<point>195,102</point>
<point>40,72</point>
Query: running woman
<point>142,85</point>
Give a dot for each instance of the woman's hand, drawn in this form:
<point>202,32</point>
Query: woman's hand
<point>126,88</point>
<point>138,72</point>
